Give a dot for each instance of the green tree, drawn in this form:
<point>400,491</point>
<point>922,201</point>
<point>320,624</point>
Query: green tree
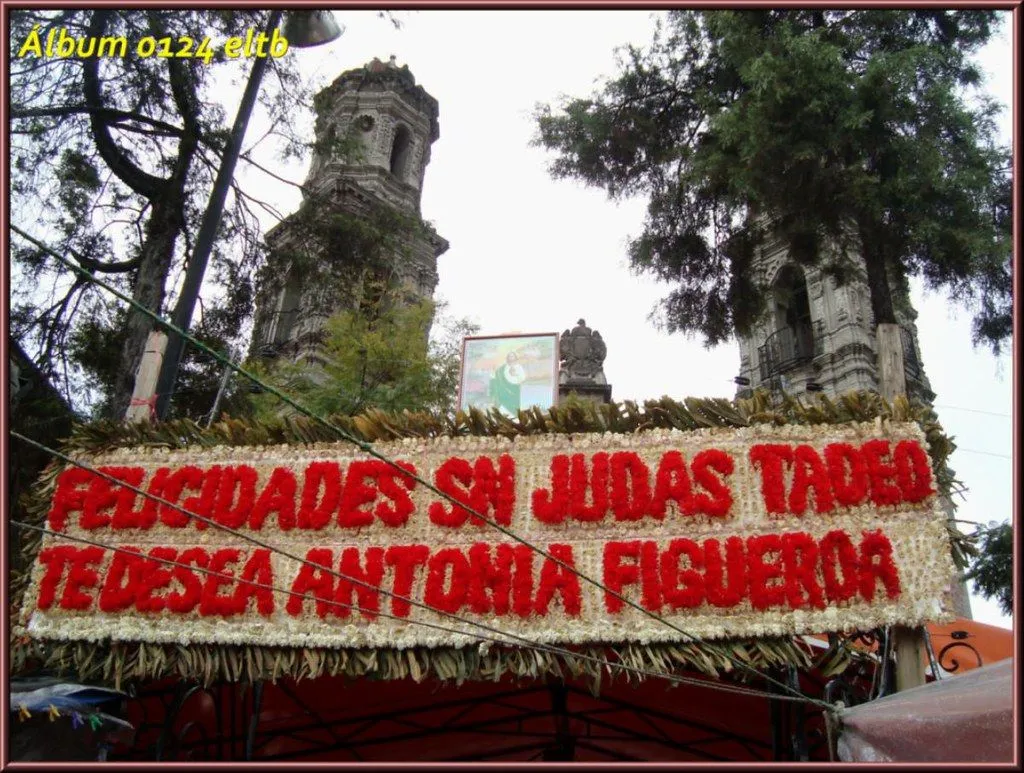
<point>383,357</point>
<point>112,161</point>
<point>991,570</point>
<point>838,133</point>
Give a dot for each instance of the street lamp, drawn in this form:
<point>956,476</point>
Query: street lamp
<point>303,29</point>
<point>306,29</point>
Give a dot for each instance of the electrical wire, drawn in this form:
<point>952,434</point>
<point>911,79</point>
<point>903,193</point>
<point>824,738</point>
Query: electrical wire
<point>972,410</point>
<point>984,453</point>
<point>261,543</point>
<point>528,643</point>
<point>293,557</point>
<point>285,553</point>
<point>368,449</point>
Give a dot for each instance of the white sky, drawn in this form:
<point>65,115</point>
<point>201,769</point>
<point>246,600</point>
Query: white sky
<point>530,254</point>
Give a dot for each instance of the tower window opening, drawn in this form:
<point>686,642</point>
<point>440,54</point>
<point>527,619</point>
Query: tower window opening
<point>400,152</point>
<point>287,310</point>
<point>792,304</point>
<point>792,339</point>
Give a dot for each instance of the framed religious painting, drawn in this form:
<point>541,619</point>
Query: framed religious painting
<point>509,372</point>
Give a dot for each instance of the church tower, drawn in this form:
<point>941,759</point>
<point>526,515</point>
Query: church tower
<point>819,337</point>
<point>358,228</point>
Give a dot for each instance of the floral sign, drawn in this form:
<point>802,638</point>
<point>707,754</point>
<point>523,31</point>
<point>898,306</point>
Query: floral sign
<point>509,372</point>
<point>722,532</point>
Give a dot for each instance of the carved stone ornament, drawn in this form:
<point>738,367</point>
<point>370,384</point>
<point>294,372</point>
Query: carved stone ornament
<point>582,352</point>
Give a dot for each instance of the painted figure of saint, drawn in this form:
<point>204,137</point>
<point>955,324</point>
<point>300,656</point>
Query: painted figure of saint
<point>504,388</point>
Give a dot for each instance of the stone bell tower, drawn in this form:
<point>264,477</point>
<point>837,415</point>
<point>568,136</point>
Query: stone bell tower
<point>819,337</point>
<point>360,215</point>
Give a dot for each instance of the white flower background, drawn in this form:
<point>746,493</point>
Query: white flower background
<point>917,533</point>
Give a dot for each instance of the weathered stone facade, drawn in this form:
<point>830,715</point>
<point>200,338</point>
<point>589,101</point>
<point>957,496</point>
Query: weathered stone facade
<point>817,334</point>
<point>374,129</point>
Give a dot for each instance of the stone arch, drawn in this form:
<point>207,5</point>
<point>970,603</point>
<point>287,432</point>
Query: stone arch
<point>323,149</point>
<point>401,147</point>
<point>791,339</point>
<point>791,301</point>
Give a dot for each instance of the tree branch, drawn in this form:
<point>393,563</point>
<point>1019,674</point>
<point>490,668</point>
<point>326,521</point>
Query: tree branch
<point>275,176</point>
<point>138,180</point>
<point>86,263</point>
<point>109,114</point>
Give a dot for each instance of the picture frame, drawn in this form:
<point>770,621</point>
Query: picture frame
<point>510,372</point>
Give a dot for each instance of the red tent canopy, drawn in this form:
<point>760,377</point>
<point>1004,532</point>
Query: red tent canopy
<point>966,718</point>
<point>346,720</point>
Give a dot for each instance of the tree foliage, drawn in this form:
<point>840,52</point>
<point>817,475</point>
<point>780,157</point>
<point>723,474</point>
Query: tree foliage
<point>379,357</point>
<point>838,133</point>
<point>112,161</point>
<point>991,569</point>
<point>333,247</point>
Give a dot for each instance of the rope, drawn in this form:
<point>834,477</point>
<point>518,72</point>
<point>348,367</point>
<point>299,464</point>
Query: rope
<point>831,726</point>
<point>151,402</point>
<point>368,449</point>
<point>529,644</point>
<point>973,410</point>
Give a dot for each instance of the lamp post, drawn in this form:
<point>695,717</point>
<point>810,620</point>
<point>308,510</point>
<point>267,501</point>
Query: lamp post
<point>302,29</point>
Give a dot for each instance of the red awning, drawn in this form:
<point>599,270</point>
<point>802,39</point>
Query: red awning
<point>965,718</point>
<point>333,719</point>
<point>338,719</point>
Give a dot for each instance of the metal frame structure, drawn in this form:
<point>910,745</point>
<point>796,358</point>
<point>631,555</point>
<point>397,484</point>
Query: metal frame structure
<point>786,348</point>
<point>540,721</point>
<point>947,655</point>
<point>576,719</point>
